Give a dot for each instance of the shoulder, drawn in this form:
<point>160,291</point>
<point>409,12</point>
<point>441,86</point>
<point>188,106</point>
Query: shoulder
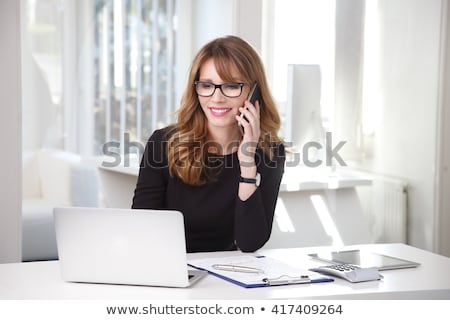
<point>162,135</point>
<point>278,149</point>
<point>157,142</point>
<point>279,154</point>
<point>155,154</point>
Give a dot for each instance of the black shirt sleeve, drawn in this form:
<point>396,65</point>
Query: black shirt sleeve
<point>153,175</point>
<point>254,217</point>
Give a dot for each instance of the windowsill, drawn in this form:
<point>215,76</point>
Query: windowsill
<point>295,178</point>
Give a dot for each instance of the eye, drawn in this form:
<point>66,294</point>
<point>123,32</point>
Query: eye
<point>232,86</point>
<point>205,85</point>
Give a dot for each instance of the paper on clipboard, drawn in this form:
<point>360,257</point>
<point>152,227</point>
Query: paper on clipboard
<point>274,272</point>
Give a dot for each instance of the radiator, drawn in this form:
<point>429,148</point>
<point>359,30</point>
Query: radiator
<point>387,208</point>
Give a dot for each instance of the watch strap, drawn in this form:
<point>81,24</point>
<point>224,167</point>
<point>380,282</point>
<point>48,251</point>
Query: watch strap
<point>256,180</point>
<point>247,180</point>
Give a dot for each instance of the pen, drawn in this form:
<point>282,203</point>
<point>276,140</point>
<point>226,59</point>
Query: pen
<point>230,267</point>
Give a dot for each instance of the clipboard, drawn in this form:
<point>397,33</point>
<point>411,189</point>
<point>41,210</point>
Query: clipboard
<point>274,272</point>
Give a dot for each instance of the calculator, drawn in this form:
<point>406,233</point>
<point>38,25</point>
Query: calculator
<point>349,272</point>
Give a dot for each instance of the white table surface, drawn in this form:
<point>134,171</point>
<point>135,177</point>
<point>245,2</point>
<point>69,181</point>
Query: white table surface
<point>431,280</point>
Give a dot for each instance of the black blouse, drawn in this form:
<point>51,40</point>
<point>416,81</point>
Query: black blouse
<point>215,218</point>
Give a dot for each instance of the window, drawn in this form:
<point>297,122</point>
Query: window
<point>97,71</point>
<point>134,63</point>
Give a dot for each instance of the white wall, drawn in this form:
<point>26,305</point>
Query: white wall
<point>211,19</point>
<point>39,112</point>
<point>215,18</point>
<point>408,103</point>
<point>10,137</point>
<point>443,161</point>
<point>42,123</point>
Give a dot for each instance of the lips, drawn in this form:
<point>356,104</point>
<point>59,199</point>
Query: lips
<point>219,111</point>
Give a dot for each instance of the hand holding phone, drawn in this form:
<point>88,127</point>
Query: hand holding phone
<point>253,96</point>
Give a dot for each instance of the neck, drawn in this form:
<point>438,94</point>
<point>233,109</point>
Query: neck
<point>224,140</point>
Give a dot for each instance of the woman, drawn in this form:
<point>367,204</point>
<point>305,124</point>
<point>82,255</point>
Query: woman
<point>225,181</point>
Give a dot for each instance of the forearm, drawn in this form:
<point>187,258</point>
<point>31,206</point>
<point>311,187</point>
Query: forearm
<point>253,223</point>
<point>247,189</point>
<point>254,215</point>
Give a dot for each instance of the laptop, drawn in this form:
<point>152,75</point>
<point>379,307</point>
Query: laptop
<point>123,246</point>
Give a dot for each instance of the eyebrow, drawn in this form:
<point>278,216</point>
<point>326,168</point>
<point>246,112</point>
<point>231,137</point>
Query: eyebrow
<point>227,81</point>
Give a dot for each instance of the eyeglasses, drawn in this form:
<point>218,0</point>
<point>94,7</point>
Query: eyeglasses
<point>228,89</point>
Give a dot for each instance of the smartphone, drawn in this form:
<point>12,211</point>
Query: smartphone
<point>253,96</point>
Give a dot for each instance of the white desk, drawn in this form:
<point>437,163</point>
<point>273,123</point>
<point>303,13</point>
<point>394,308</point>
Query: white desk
<point>41,280</point>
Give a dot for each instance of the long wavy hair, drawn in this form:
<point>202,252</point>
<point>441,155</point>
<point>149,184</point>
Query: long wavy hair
<point>186,151</point>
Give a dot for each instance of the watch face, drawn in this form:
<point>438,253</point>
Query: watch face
<point>258,179</point>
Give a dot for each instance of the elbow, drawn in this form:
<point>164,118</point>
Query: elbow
<point>251,245</point>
